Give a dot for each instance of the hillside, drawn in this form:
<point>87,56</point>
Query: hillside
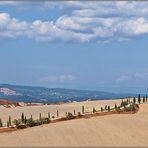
<point>51,95</point>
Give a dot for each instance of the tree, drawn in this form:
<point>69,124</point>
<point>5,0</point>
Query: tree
<point>9,121</point>
<point>134,100</point>
<point>94,110</point>
<point>139,98</point>
<point>8,124</point>
<point>31,118</point>
<point>49,115</point>
<point>108,108</point>
<point>143,99</point>
<point>101,109</point>
<point>23,118</point>
<point>74,112</point>
<point>40,117</point>
<point>82,109</point>
<point>57,113</point>
<point>105,107</point>
<point>115,106</point>
<point>146,98</point>
<point>1,124</point>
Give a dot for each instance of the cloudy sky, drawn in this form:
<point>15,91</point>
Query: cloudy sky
<point>81,45</point>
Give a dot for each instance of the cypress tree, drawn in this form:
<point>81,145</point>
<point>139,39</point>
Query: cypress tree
<point>134,100</point>
<point>40,117</point>
<point>74,112</point>
<point>57,113</point>
<point>22,117</point>
<point>108,108</point>
<point>105,107</point>
<point>139,98</point>
<point>82,109</point>
<point>115,107</point>
<point>143,99</point>
<point>9,120</point>
<point>25,120</point>
<point>49,115</point>
<point>8,124</point>
<point>101,109</point>
<point>1,124</point>
<point>31,118</point>
<point>94,110</point>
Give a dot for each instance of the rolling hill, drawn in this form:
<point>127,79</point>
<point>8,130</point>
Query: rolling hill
<point>51,95</point>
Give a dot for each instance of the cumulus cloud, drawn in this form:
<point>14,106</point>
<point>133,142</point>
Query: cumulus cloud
<point>59,78</point>
<point>82,22</point>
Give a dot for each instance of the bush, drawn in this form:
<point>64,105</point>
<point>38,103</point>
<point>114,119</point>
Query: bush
<point>70,116</point>
<point>17,122</point>
<point>124,103</point>
<point>45,120</point>
<point>21,126</point>
<point>132,107</point>
<point>31,122</point>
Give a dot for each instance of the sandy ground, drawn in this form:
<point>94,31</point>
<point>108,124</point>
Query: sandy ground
<point>112,130</point>
<point>15,113</point>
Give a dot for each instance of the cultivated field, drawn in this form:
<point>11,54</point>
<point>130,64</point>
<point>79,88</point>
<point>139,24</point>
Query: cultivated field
<point>111,130</point>
<point>16,112</point>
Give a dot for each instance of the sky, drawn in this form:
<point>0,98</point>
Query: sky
<point>75,44</point>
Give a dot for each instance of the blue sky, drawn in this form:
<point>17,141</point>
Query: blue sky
<point>80,45</point>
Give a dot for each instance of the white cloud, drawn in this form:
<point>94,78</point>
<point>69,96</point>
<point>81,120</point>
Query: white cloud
<point>82,22</point>
<point>59,78</point>
<point>124,78</point>
<point>133,77</point>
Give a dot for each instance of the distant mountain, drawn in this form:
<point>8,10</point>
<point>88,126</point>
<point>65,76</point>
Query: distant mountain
<point>51,95</point>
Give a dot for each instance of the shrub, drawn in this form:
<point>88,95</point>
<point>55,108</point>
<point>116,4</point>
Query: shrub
<point>132,107</point>
<point>70,116</point>
<point>45,120</point>
<point>21,126</point>
<point>79,114</point>
<point>124,103</point>
<point>30,122</point>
